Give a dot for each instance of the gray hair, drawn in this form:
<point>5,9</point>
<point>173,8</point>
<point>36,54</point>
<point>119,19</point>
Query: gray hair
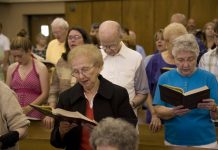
<point>116,133</point>
<point>186,42</point>
<point>60,22</point>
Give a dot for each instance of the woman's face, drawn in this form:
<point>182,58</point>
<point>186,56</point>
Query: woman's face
<point>21,56</point>
<point>209,31</point>
<point>186,62</point>
<point>85,71</point>
<point>160,43</point>
<point>74,39</point>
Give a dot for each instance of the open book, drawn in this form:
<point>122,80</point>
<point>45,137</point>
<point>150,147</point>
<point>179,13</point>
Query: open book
<point>176,96</point>
<point>46,62</point>
<point>62,114</point>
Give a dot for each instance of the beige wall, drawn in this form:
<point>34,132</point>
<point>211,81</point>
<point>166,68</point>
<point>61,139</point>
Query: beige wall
<point>13,16</point>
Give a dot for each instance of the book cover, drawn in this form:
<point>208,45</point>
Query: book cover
<point>165,69</point>
<point>62,114</point>
<point>176,96</point>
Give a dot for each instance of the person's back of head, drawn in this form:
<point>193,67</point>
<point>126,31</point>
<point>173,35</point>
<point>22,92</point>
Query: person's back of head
<point>178,18</point>
<point>115,134</point>
<point>174,29</point>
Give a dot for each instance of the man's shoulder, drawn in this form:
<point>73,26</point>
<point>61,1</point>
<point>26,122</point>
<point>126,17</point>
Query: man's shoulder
<point>4,37</point>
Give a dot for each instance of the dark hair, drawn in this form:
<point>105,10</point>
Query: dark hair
<point>95,25</point>
<point>22,33</point>
<point>21,43</point>
<point>85,37</point>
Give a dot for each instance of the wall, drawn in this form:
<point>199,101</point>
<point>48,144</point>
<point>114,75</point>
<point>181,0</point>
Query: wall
<point>145,17</point>
<point>14,15</point>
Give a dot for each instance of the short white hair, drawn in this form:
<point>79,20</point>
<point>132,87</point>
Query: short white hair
<point>60,22</point>
<point>186,42</point>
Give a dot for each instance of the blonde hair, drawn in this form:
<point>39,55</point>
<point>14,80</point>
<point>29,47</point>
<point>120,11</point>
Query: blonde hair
<point>21,43</point>
<point>174,29</point>
<point>88,50</point>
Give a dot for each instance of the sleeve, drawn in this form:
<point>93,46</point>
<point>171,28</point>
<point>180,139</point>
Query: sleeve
<point>157,100</point>
<point>55,138</point>
<point>213,86</point>
<point>6,44</point>
<point>13,113</point>
<point>141,81</point>
<point>125,110</point>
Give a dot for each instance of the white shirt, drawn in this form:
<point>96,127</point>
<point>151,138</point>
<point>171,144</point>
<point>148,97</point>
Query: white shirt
<point>4,45</point>
<point>126,69</point>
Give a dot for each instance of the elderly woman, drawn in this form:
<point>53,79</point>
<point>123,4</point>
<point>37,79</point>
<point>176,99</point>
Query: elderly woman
<point>161,60</point>
<point>114,134</point>
<point>62,78</point>
<point>93,96</point>
<point>183,126</point>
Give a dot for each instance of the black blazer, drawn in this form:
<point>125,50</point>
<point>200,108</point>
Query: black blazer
<point>110,101</point>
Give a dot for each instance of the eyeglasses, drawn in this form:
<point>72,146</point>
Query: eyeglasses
<point>74,37</point>
<point>111,47</point>
<point>84,71</point>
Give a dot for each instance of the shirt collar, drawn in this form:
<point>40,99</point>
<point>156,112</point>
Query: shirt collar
<point>105,90</point>
<point>122,51</point>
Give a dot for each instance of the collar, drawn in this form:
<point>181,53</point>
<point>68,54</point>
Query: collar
<point>105,90</point>
<point>122,51</point>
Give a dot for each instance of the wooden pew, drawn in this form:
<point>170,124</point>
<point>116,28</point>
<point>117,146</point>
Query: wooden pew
<point>37,138</point>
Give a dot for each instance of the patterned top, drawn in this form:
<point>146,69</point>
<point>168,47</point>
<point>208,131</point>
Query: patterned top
<point>61,80</point>
<point>27,89</point>
<point>209,62</point>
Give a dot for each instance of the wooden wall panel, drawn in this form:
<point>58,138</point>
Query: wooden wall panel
<point>203,11</point>
<point>79,14</point>
<point>137,15</point>
<point>163,10</point>
<point>106,10</point>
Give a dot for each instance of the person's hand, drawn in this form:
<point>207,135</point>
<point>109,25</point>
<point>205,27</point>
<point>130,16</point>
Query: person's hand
<point>48,122</point>
<point>65,127</point>
<point>208,104</point>
<point>155,124</point>
<point>9,139</point>
<point>26,109</point>
<point>180,110</point>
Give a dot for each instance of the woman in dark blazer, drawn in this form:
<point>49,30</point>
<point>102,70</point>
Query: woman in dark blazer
<point>93,96</point>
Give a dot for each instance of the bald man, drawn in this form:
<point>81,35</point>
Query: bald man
<point>122,66</point>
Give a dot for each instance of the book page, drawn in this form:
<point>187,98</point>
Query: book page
<point>71,114</point>
<point>180,90</point>
<point>196,90</point>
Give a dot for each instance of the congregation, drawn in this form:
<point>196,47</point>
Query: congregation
<point>108,77</point>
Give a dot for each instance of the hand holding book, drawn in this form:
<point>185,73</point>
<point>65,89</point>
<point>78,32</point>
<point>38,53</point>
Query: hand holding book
<point>64,115</point>
<point>176,96</point>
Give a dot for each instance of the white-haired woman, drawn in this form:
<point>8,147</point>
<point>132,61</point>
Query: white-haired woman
<point>183,126</point>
